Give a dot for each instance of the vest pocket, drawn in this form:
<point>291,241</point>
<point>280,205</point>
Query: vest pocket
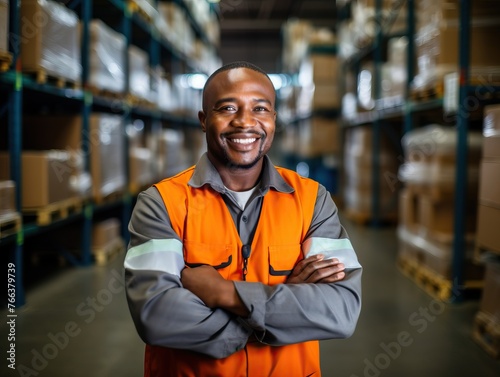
<point>282,260</point>
<point>218,256</point>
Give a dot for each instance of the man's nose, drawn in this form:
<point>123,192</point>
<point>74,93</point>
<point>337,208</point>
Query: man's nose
<point>243,119</point>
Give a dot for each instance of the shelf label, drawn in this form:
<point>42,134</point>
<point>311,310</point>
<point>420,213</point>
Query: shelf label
<point>20,237</point>
<point>87,98</point>
<point>18,86</point>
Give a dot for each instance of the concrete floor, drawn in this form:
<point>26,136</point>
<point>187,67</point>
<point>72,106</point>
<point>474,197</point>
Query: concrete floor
<point>76,323</point>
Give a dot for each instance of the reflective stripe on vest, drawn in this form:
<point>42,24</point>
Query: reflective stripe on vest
<point>202,220</point>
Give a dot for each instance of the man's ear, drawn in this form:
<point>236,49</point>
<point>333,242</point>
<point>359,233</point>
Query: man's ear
<point>202,117</point>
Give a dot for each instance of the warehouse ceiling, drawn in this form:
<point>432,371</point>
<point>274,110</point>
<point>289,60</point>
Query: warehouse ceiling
<point>251,29</point>
<point>268,15</point>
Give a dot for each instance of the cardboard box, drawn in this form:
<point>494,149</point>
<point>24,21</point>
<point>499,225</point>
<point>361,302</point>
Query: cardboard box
<point>139,80</point>
<point>107,58</point>
<point>140,164</point>
<point>4,25</point>
<point>437,218</point>
<point>52,46</point>
<point>325,69</point>
<point>487,228</point>
<point>104,232</point>
<point>318,136</point>
<point>491,122</point>
<point>408,210</point>
<point>437,257</point>
<point>46,177</point>
<point>326,97</point>
<point>489,186</point>
<point>491,147</point>
<point>107,155</point>
<point>490,302</point>
<point>7,197</point>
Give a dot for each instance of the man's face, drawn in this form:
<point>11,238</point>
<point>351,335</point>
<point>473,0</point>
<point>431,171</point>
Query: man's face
<point>238,117</point>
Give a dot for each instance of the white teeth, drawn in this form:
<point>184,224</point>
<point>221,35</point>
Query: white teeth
<point>244,141</point>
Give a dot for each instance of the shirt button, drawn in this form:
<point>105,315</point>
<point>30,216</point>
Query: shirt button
<point>245,219</point>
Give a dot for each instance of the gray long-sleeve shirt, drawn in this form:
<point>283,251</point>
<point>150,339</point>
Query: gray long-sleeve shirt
<point>166,314</point>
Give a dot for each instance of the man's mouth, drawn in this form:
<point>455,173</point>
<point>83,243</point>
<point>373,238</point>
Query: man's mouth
<point>244,141</point>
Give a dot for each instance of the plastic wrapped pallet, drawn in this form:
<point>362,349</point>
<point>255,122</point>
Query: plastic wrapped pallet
<point>430,158</point>
<point>107,162</point>
<point>139,79</point>
<point>175,27</point>
<point>50,39</point>
<point>107,58</point>
<point>435,256</point>
<point>489,184</point>
<point>437,40</point>
<point>358,168</point>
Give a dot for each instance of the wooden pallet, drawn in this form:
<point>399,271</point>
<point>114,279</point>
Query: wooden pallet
<point>427,93</point>
<point>135,7</point>
<point>486,332</point>
<point>41,76</point>
<point>10,224</point>
<point>106,93</point>
<point>110,198</point>
<point>5,60</point>
<point>432,283</point>
<point>135,101</point>
<point>481,252</point>
<point>365,218</point>
<point>55,211</point>
<point>104,255</point>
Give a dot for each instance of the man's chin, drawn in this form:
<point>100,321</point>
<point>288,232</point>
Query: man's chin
<point>243,165</point>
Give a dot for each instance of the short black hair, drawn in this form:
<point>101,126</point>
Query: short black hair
<point>234,65</point>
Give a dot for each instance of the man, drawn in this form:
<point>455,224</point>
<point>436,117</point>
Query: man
<point>235,267</point>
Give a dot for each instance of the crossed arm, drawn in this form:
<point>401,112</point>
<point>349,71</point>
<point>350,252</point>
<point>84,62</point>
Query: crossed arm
<point>216,292</point>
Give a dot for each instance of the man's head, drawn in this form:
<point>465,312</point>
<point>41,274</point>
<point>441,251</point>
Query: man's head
<point>238,116</point>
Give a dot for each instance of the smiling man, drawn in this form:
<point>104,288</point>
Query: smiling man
<point>236,267</point>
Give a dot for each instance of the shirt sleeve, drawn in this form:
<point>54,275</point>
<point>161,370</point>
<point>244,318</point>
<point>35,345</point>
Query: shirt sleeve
<point>292,313</point>
<point>164,313</point>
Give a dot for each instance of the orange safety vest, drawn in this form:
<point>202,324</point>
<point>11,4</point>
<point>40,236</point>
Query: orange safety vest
<point>201,219</point>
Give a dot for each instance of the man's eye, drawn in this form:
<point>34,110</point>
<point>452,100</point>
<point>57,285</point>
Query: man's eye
<point>227,108</point>
<point>261,108</point>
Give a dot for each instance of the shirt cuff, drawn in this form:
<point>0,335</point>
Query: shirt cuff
<point>254,296</point>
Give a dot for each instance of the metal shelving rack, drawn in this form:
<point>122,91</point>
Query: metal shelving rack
<point>14,83</point>
<point>409,108</point>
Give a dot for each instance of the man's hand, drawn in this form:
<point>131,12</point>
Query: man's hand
<point>215,291</point>
<point>316,269</point>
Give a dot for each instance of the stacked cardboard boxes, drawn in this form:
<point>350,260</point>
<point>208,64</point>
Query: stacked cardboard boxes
<point>50,39</point>
<point>358,168</point>
<point>426,226</point>
<point>486,327</point>
<point>106,240</point>
<point>489,186</point>
<point>138,70</point>
<point>10,219</point>
<point>437,37</point>
<point>53,160</point>
<point>107,58</point>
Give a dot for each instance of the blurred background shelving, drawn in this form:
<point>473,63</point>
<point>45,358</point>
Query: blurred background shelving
<point>393,105</point>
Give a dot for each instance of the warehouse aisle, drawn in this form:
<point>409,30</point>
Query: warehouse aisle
<point>77,324</point>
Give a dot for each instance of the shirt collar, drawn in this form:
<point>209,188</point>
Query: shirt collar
<point>206,173</point>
